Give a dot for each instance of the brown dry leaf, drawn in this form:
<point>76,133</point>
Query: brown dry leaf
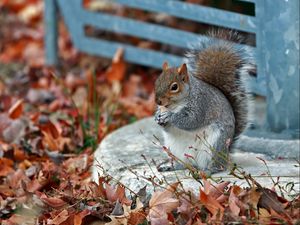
<point>185,206</point>
<point>251,198</point>
<point>117,220</point>
<point>78,164</point>
<point>233,200</point>
<point>136,218</point>
<point>133,218</point>
<point>161,203</point>
<point>160,221</point>
<point>213,206</point>
<point>2,87</point>
<point>51,128</point>
<point>6,166</point>
<point>138,106</point>
<point>13,51</point>
<point>137,215</point>
<point>35,185</point>
<point>113,194</point>
<point>80,216</point>
<point>14,179</point>
<point>264,216</point>
<point>216,190</point>
<point>116,71</point>
<point>60,218</point>
<point>19,155</point>
<point>49,142</point>
<point>52,201</point>
<point>130,217</point>
<point>270,200</point>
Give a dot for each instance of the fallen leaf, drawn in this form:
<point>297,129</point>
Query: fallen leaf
<point>52,201</point>
<point>136,218</point>
<point>16,110</point>
<point>19,155</point>
<point>49,142</point>
<point>116,71</point>
<point>127,215</point>
<point>215,190</point>
<point>51,128</point>
<point>113,194</point>
<point>80,216</point>
<point>6,166</point>
<point>60,218</point>
<point>234,201</point>
<point>213,206</point>
<point>270,200</point>
<point>161,203</point>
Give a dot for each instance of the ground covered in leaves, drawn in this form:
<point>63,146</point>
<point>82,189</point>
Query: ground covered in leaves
<point>52,119</point>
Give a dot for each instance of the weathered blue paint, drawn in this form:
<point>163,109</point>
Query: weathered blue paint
<point>280,63</point>
<point>50,19</point>
<point>276,52</point>
<point>196,13</point>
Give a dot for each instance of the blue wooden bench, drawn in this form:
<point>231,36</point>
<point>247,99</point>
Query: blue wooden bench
<point>275,25</point>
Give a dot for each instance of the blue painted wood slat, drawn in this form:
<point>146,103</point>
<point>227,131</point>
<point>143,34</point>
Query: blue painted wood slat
<point>197,13</point>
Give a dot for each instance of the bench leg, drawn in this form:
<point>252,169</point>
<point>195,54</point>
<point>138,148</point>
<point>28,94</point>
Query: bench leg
<point>51,32</point>
<point>281,62</point>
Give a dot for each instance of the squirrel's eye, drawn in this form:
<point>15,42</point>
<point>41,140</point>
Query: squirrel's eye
<point>174,87</point>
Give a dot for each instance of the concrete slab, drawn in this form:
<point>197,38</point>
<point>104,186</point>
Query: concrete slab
<point>127,155</point>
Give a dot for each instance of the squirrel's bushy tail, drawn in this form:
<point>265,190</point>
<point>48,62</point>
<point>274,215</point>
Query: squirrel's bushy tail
<point>224,64</point>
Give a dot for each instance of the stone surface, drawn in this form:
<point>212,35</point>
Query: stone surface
<point>127,155</point>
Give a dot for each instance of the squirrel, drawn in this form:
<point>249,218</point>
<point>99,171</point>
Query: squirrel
<point>203,105</point>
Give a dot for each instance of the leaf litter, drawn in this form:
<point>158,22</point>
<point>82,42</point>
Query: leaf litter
<point>51,121</point>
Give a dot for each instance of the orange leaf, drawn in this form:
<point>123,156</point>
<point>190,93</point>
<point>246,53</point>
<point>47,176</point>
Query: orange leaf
<point>79,216</point>
<point>211,204</point>
<point>19,155</point>
<point>16,110</point>
<point>5,166</point>
<point>116,71</point>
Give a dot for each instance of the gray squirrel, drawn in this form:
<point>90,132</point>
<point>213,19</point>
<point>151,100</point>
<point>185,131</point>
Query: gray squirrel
<point>203,104</point>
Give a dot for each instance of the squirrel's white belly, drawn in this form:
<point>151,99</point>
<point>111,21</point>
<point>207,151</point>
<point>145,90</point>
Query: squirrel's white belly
<point>194,147</point>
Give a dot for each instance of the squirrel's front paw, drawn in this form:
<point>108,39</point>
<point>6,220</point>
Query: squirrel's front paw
<point>162,118</point>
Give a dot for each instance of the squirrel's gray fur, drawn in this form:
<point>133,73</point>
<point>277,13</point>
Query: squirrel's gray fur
<point>231,81</point>
<point>200,125</point>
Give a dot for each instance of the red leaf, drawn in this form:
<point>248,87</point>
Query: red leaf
<point>16,110</point>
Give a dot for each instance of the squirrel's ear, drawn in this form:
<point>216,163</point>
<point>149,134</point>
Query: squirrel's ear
<point>182,69</point>
<point>165,66</point>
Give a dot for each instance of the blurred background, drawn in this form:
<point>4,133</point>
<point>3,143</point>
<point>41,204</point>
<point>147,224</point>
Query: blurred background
<point>23,63</point>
